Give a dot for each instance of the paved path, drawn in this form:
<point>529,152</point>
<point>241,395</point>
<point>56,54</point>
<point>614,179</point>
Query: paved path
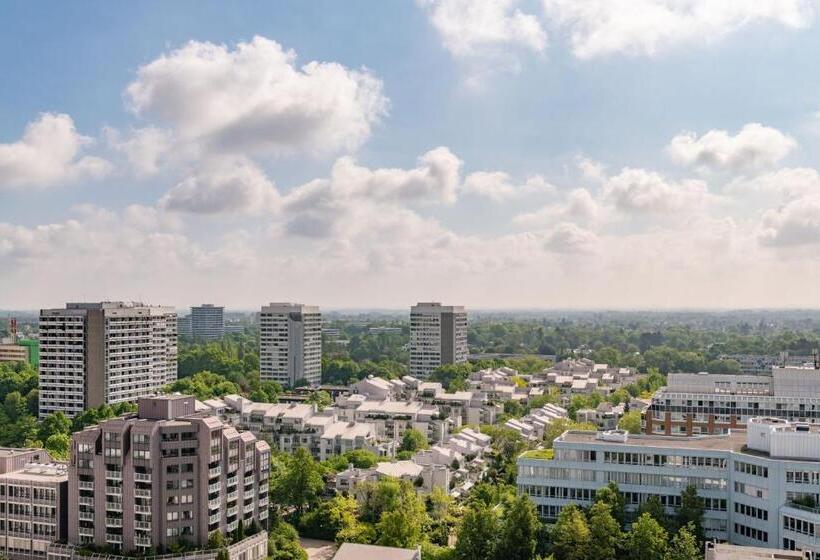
<point>318,550</point>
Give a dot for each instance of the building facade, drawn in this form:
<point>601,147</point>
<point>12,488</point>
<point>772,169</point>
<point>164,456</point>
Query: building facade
<point>163,476</point>
<point>290,344</point>
<point>33,505</point>
<point>13,353</point>
<point>759,486</point>
<point>102,353</point>
<point>208,322</point>
<point>700,403</point>
<point>438,336</point>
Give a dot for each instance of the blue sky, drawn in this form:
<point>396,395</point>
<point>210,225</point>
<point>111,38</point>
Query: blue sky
<point>496,153</point>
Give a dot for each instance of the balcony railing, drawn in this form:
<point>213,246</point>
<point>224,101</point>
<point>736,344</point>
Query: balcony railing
<point>114,475</point>
<point>86,485</point>
<point>142,477</point>
<point>215,487</point>
<point>86,501</point>
<point>113,521</point>
<point>215,471</point>
<point>86,516</point>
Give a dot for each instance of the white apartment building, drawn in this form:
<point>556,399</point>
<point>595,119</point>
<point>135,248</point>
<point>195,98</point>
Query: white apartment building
<point>702,403</point>
<point>393,418</point>
<point>289,426</point>
<point>290,343</point>
<point>438,336</point>
<point>752,481</point>
<point>208,322</point>
<point>102,353</point>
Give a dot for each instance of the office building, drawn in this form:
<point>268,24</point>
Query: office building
<point>33,506</point>
<point>184,328</point>
<point>208,322</point>
<point>162,476</point>
<point>438,336</point>
<point>759,486</point>
<point>101,353</point>
<point>290,344</point>
<point>13,353</point>
<point>701,403</point>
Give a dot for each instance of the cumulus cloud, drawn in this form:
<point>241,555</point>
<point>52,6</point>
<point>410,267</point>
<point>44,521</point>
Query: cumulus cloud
<point>356,197</point>
<point>485,35</point>
<point>145,149</point>
<point>253,99</point>
<point>222,186</point>
<point>647,27</point>
<point>796,223</point>
<point>579,207</point>
<point>498,186</point>
<point>638,191</point>
<point>569,238</point>
<point>753,147</point>
<point>48,154</point>
<point>789,182</point>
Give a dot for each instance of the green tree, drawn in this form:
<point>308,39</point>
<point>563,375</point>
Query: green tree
<point>519,530</point>
<point>283,543</point>
<point>329,518</point>
<point>690,512</point>
<point>320,398</point>
<point>653,507</point>
<point>684,545</point>
<point>611,496</point>
<point>647,539</point>
<point>298,484</point>
<point>402,524</point>
<point>413,440</point>
<point>631,422</point>
<point>14,405</point>
<point>605,532</point>
<point>571,536</point>
<point>58,446</point>
<point>54,423</point>
<point>477,533</point>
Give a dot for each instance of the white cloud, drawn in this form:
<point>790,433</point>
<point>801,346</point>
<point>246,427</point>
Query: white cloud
<point>254,100</point>
<point>571,239</point>
<point>753,147</point>
<point>579,207</point>
<point>647,27</point>
<point>796,223</point>
<point>222,186</point>
<point>48,154</point>
<point>498,186</point>
<point>789,182</point>
<point>145,148</point>
<point>642,192</point>
<point>485,36</point>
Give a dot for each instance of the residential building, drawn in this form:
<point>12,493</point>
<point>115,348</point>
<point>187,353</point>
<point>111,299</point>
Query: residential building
<point>393,418</point>
<point>33,505</point>
<point>762,364</point>
<point>290,344</point>
<point>13,353</point>
<point>254,547</point>
<point>423,477</point>
<point>355,551</point>
<point>438,336</point>
<point>752,482</point>
<point>724,551</point>
<point>289,426</point>
<point>208,322</point>
<point>162,476</point>
<point>102,353</point>
<point>702,403</point>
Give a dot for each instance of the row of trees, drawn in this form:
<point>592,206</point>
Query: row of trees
<point>598,533</point>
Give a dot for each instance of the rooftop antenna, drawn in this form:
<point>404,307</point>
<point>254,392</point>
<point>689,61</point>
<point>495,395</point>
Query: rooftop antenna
<point>13,330</point>
<point>815,358</point>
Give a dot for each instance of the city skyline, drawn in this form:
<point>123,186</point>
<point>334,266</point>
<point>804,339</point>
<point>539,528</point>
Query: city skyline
<point>551,157</point>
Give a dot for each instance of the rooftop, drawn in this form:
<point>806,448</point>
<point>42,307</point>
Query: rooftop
<point>734,441</point>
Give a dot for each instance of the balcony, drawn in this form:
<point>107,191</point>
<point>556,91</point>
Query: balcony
<point>231,496</point>
<point>263,514</point>
<point>113,490</point>
<point>86,501</point>
<point>113,538</point>
<point>215,471</point>
<point>86,532</point>
<point>142,477</point>
<point>215,487</point>
<point>142,541</point>
<point>144,525</point>
<point>213,519</point>
<point>248,508</point>
<point>86,485</point>
<point>113,522</point>
<point>263,503</point>
<point>113,475</point>
<point>213,504</point>
<point>113,506</point>
<point>142,509</point>
<point>142,493</point>
<point>232,526</point>
<point>86,516</point>
<point>249,480</point>
<point>233,510</point>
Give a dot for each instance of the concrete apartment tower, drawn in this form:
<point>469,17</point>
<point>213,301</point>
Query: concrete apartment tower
<point>438,336</point>
<point>102,353</point>
<point>162,476</point>
<point>208,322</point>
<point>290,343</point>
<point>34,506</point>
